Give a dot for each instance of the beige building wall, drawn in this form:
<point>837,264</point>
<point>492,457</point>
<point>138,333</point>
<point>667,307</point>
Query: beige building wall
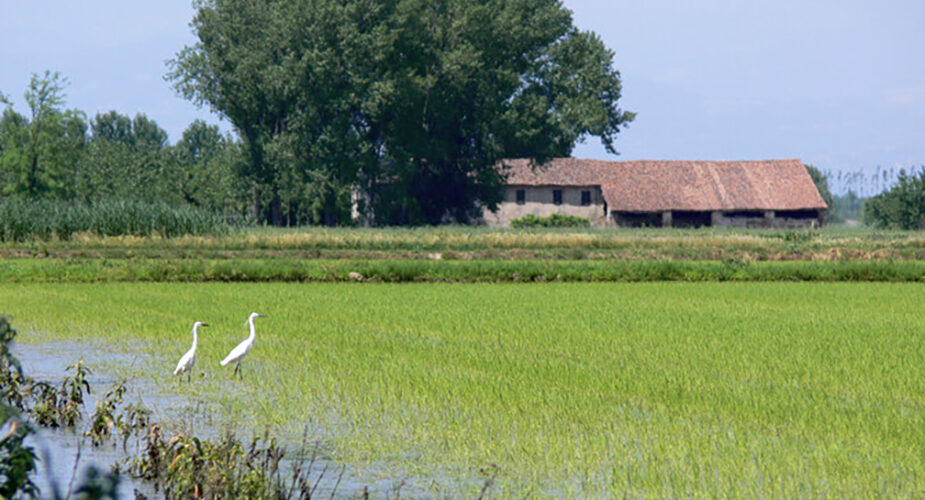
<point>538,200</point>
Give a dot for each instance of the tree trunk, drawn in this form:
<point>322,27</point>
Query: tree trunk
<point>276,213</point>
<point>255,208</point>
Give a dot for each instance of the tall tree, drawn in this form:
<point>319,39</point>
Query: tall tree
<point>127,158</point>
<point>900,207</point>
<point>821,180</point>
<point>40,152</point>
<point>208,163</point>
<point>419,98</point>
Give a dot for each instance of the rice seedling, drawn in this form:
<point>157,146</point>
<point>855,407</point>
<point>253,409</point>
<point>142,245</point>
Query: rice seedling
<point>571,389</point>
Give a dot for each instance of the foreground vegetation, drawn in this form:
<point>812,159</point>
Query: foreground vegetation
<point>651,389</point>
<point>183,466</point>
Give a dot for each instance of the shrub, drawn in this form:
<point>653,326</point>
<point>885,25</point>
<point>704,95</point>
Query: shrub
<point>554,220</point>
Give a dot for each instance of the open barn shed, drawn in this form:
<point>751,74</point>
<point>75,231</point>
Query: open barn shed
<point>769,193</point>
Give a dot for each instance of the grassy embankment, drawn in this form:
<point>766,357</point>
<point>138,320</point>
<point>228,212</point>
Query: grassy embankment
<point>474,254</point>
<point>399,271</point>
<point>651,389</point>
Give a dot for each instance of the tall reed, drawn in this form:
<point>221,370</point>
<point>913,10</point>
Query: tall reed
<point>50,219</point>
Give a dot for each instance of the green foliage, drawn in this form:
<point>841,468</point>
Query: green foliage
<point>900,207</point>
<point>39,154</point>
<point>415,102</point>
<point>111,418</point>
<point>821,180</point>
<point>47,219</point>
<point>17,460</point>
<point>208,168</point>
<point>97,485</point>
<point>189,467</point>
<point>60,407</point>
<point>51,407</point>
<point>554,220</point>
<point>51,155</point>
<point>847,207</point>
<point>12,380</point>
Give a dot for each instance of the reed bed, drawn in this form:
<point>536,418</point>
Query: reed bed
<point>570,389</point>
<point>45,220</point>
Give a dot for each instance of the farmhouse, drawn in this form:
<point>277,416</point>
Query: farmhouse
<point>773,193</point>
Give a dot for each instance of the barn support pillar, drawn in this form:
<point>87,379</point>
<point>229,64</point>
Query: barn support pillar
<point>666,219</point>
<point>716,219</point>
<point>769,215</point>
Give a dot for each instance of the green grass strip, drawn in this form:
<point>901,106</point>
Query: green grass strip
<point>398,271</point>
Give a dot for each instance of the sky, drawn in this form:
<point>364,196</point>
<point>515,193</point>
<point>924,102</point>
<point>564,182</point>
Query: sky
<point>838,84</point>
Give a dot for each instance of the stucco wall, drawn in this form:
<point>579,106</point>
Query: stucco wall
<point>539,201</point>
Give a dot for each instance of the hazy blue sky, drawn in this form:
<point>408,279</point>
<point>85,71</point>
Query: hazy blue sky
<point>840,84</point>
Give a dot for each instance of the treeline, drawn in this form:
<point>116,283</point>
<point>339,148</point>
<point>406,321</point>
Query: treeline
<point>889,199</point>
<point>901,206</point>
<point>58,154</point>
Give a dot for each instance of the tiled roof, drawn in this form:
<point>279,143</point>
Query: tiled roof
<point>652,186</point>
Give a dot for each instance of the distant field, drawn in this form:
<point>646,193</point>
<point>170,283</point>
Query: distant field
<point>471,243</point>
<point>579,389</point>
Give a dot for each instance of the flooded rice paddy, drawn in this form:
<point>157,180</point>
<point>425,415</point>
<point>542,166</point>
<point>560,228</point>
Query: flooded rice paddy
<point>565,389</point>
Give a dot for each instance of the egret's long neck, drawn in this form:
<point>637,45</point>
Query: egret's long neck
<point>250,322</point>
<point>195,336</point>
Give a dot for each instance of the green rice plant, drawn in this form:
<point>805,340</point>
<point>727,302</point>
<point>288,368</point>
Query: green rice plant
<point>665,389</point>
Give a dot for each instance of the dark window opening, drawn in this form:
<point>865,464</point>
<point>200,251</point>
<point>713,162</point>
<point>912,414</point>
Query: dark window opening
<point>585,198</point>
<point>796,214</point>
<point>557,196</point>
<point>690,219</point>
<point>521,196</point>
<point>638,219</point>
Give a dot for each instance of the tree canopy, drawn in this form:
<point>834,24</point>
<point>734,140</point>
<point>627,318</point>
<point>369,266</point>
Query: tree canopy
<point>57,153</point>
<point>900,207</point>
<point>411,102</point>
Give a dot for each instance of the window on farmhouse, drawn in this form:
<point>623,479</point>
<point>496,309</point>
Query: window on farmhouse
<point>557,196</point>
<point>585,198</point>
<point>521,196</point>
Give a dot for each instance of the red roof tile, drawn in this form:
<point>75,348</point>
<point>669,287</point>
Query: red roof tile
<point>652,186</point>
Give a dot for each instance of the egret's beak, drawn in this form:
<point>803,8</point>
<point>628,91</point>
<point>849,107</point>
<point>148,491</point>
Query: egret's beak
<point>205,324</point>
<point>261,316</point>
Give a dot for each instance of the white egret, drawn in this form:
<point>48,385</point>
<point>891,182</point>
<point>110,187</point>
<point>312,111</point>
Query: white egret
<point>241,350</point>
<point>189,359</point>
